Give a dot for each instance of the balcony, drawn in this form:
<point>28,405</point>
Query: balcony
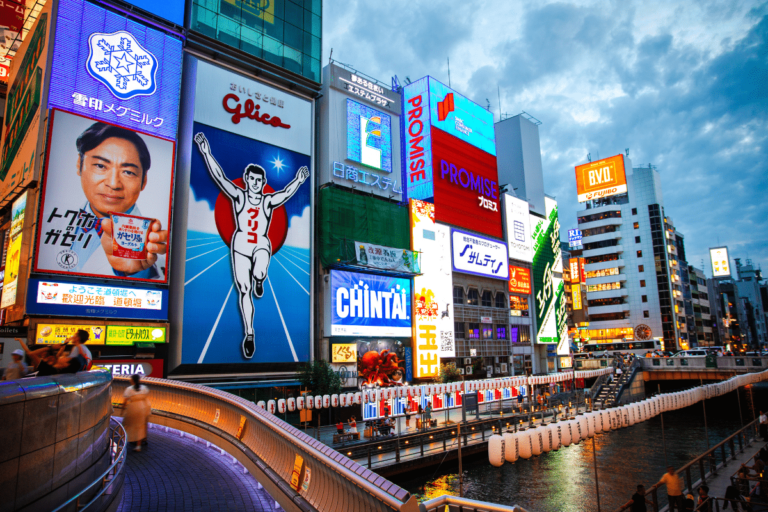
<point>606,279</point>
<point>608,294</point>
<point>604,250</point>
<point>604,264</point>
<point>601,223</point>
<point>599,238</point>
<point>603,310</point>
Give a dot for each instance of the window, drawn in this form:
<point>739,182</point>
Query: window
<point>458,295</point>
<point>602,244</point>
<point>599,216</point>
<point>642,283</point>
<point>645,298</point>
<point>603,287</point>
<point>472,297</point>
<point>640,268</point>
<point>518,306</point>
<point>634,211</point>
<point>637,239</point>
<point>646,314</point>
<point>487,300</point>
<point>501,302</point>
<point>636,225</point>
<point>602,273</point>
<point>639,254</point>
<point>458,328</point>
<point>501,332</point>
<point>487,332</point>
<point>474,331</point>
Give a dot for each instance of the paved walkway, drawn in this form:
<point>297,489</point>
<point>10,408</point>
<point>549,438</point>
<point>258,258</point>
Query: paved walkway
<point>175,473</point>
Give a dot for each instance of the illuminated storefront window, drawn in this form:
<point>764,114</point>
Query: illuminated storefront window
<point>603,273</point>
<point>603,287</point>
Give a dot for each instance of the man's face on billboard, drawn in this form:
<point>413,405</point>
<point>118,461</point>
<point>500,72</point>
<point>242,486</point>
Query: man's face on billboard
<point>111,176</point>
<point>254,182</point>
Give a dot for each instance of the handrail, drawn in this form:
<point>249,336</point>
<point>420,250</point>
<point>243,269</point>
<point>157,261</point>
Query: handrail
<point>117,448</point>
<point>635,368</point>
<point>197,403</point>
<point>465,504</point>
<point>709,456</point>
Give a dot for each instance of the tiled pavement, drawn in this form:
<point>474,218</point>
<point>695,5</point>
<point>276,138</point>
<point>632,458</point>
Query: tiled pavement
<point>176,474</point>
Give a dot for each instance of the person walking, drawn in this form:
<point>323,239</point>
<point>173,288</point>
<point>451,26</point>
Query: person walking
<point>420,419</point>
<point>137,411</point>
<point>638,501</point>
<point>428,414</point>
<point>17,369</point>
<point>408,416</point>
<point>674,489</point>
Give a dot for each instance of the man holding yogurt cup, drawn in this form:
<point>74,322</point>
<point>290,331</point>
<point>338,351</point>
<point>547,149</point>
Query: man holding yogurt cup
<point>113,165</point>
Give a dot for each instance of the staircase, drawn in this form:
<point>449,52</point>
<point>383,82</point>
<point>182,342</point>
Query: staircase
<point>610,393</point>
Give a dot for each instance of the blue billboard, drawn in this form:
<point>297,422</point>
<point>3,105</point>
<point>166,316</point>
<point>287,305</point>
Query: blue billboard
<point>461,117</point>
<point>369,136</point>
<point>369,305</point>
<point>116,70</point>
<point>171,10</point>
<point>61,298</point>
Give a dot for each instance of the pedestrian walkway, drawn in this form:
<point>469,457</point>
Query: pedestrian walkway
<point>175,473</point>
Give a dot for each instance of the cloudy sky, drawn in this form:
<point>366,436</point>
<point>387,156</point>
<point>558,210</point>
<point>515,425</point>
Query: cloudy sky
<point>683,85</point>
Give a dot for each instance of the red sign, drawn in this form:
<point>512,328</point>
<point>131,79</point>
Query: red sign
<point>519,280</point>
<point>465,185</point>
<point>575,275</point>
<point>583,273</point>
<point>128,367</point>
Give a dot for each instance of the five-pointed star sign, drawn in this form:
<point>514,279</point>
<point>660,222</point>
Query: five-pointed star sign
<point>124,63</point>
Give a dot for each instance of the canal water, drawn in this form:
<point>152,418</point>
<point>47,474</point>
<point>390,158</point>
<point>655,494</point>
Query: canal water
<point>564,480</point>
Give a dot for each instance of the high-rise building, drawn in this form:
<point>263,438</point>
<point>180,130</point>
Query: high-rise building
<point>748,285</point>
<point>633,277</point>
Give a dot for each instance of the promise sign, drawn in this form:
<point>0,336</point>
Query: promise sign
<point>602,178</point>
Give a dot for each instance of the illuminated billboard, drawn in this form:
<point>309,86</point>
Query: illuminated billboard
<point>433,291</point>
<point>576,296</point>
<point>450,150</point>
<point>574,269</point>
<point>49,334</point>
<point>13,254</point>
<point>548,283</point>
<point>519,280</point>
<point>132,334</point>
<point>369,136</point>
<point>720,262</point>
<point>171,10</point>
<point>602,178</point>
<point>518,228</point>
<point>475,254</point>
<point>115,70</point>
<point>370,305</point>
<point>247,268</point>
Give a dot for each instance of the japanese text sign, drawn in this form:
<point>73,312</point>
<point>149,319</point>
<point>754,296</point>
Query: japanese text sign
<point>13,256</point>
<point>519,280</point>
<point>344,353</point>
<point>518,228</point>
<point>130,335</point>
<point>116,70</point>
<point>475,254</point>
<point>58,333</point>
<point>386,258</point>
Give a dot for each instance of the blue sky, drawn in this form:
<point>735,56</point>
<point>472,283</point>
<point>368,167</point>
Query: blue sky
<point>683,85</point>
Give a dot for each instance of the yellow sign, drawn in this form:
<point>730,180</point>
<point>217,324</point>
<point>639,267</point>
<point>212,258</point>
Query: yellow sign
<point>298,464</point>
<point>13,257</point>
<point>262,9</point>
<point>576,296</point>
<point>344,353</point>
<point>58,333</point>
<point>129,334</point>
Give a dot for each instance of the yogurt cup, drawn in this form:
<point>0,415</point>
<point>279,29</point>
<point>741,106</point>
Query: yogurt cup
<point>130,235</point>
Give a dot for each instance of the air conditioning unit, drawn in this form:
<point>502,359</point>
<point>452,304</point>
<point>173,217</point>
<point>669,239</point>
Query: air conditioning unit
<point>469,370</point>
<point>467,361</point>
<point>503,367</point>
<point>461,371</point>
<point>496,370</point>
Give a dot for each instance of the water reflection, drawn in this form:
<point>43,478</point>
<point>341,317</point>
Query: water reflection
<point>564,480</point>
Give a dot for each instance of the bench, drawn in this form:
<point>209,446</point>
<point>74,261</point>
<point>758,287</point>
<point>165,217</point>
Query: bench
<point>343,438</point>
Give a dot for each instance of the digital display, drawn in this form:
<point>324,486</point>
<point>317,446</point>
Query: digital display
<point>461,117</point>
<point>50,334</point>
<point>130,335</point>
<point>116,70</point>
<point>602,178</point>
<point>369,136</point>
<point>519,280</point>
<point>576,296</point>
<point>518,228</point>
<point>369,305</point>
<point>720,262</point>
<point>417,140</point>
<point>13,254</point>
<point>475,254</point>
<point>171,10</point>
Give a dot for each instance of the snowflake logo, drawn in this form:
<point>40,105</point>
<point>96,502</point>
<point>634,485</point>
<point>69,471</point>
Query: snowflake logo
<point>118,61</point>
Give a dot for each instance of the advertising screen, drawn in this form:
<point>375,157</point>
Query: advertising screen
<point>475,254</point>
<point>602,178</point>
<point>369,136</point>
<point>573,265</point>
<point>370,305</point>
<point>102,179</point>
<point>574,238</point>
<point>13,254</point>
<point>130,335</point>
<point>48,334</point>
<point>549,287</point>
<point>417,141</point>
<point>128,367</point>
<point>344,353</point>
<point>466,185</point>
<point>113,69</point>
<point>380,257</point>
<point>381,363</point>
<point>576,296</point>
<point>720,262</point>
<point>464,119</point>
<point>518,228</point>
<point>11,22</point>
<point>519,280</point>
<point>433,291</point>
<point>171,10</point>
<point>246,291</point>
<point>21,123</point>
<point>79,299</point>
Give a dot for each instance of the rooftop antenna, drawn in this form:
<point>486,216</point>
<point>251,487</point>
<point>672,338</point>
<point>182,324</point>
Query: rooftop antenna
<point>330,57</point>
<point>627,152</point>
<point>449,71</point>
<point>589,157</point>
<point>489,104</point>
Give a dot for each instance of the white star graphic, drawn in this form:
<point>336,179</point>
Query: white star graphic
<point>277,163</point>
<point>124,63</point>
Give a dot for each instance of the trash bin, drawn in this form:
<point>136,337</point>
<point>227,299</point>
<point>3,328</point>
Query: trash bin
<point>711,360</point>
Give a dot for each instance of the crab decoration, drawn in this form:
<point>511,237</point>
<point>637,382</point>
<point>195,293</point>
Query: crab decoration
<point>377,368</point>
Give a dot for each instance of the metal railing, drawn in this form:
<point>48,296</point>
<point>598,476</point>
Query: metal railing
<point>739,364</point>
<point>114,473</point>
<point>456,504</point>
<point>272,447</point>
<point>709,458</point>
<point>632,370</point>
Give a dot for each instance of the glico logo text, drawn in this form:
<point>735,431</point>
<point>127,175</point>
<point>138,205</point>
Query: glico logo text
<point>468,180</point>
<point>251,111</point>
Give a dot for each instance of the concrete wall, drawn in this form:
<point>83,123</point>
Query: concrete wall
<point>54,438</point>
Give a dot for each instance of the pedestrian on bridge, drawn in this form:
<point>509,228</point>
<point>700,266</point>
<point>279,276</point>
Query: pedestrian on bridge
<point>705,501</point>
<point>638,501</point>
<point>408,416</point>
<point>137,411</point>
<point>674,489</point>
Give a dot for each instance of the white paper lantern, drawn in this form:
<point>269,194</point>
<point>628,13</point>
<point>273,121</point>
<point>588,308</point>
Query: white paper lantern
<point>496,451</point>
<point>334,400</point>
<point>261,404</point>
<point>511,450</point>
<point>281,406</point>
<point>318,402</point>
<point>300,403</point>
<point>358,398</point>
<point>291,404</point>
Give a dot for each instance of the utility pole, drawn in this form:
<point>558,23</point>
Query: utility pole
<point>461,472</point>
<point>449,71</point>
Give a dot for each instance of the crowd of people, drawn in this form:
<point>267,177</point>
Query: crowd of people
<point>72,356</point>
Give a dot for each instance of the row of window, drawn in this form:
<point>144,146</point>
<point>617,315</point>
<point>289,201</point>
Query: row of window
<point>601,259</point>
<point>602,273</point>
<point>474,298</point>
<point>600,231</point>
<point>600,216</point>
<point>476,331</point>
<point>603,287</point>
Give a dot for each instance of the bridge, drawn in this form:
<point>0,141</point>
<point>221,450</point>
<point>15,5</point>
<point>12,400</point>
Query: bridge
<point>699,368</point>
